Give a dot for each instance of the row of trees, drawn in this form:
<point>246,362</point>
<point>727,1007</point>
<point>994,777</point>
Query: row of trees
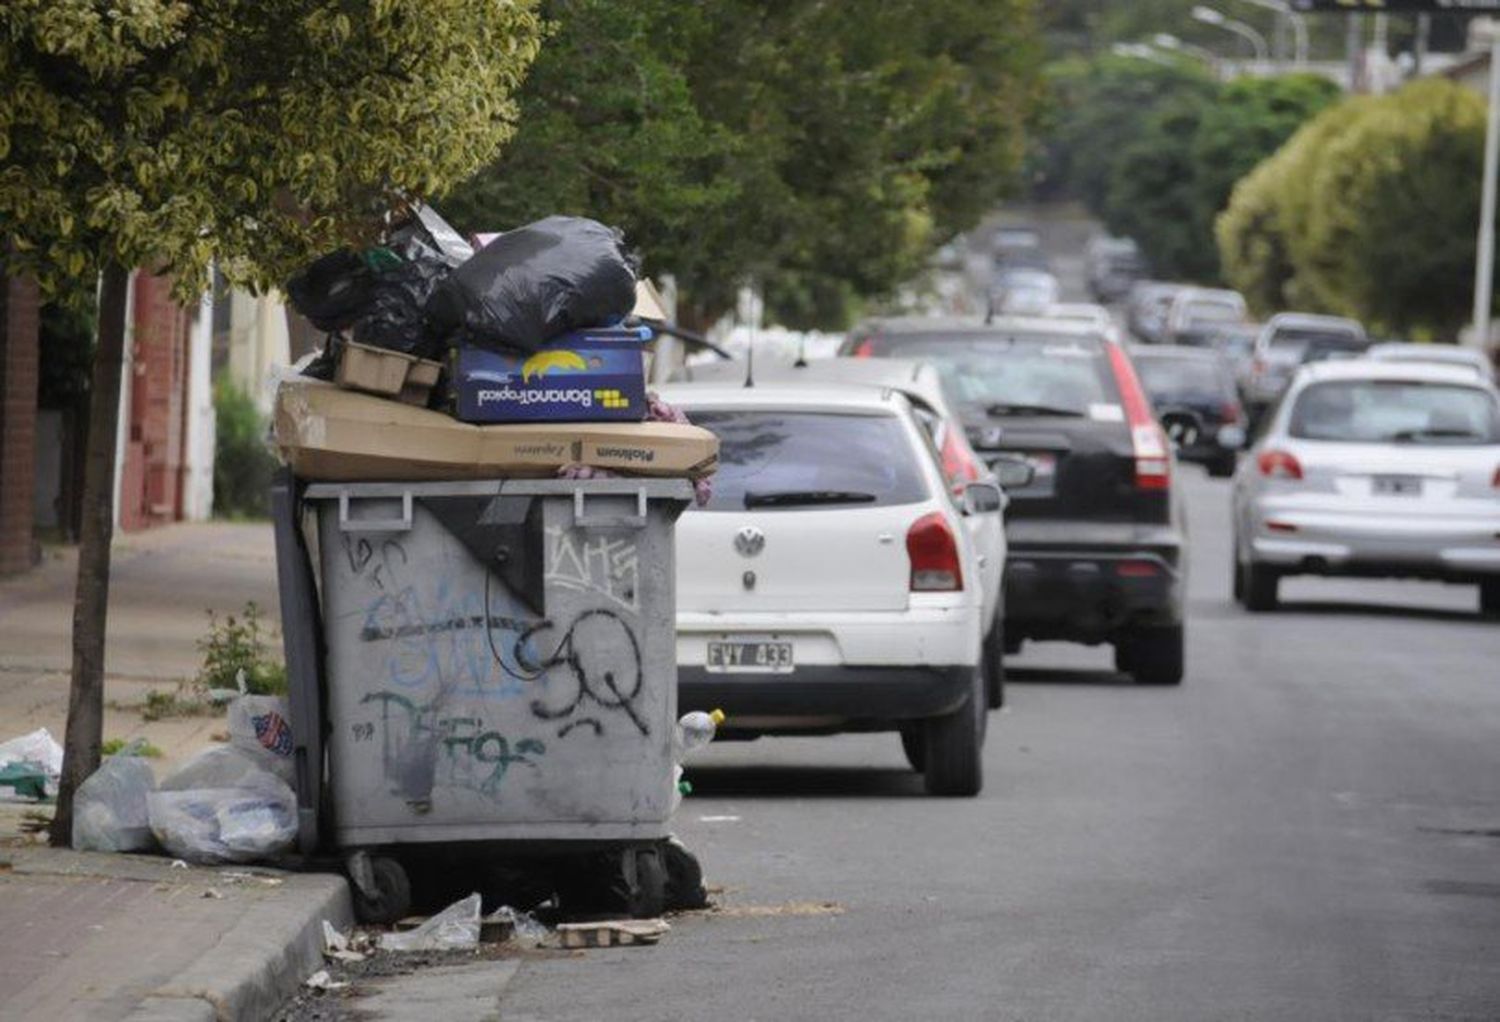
<point>1154,150</point>
<point>1370,210</point>
<point>821,149</point>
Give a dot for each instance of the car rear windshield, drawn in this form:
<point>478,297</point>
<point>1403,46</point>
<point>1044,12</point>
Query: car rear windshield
<point>1313,345</point>
<point>1181,377</point>
<point>1062,373</point>
<point>1209,313</point>
<point>774,461</point>
<point>1395,411</point>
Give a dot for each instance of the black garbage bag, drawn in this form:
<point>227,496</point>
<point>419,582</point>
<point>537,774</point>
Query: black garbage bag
<point>334,290</point>
<point>394,316</point>
<point>378,297</point>
<point>534,283</point>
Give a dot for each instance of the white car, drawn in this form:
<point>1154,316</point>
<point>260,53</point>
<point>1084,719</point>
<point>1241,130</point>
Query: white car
<point>1197,312</point>
<point>1287,341</point>
<point>923,387</point>
<point>830,584</point>
<point>1375,469</point>
<point>1094,316</point>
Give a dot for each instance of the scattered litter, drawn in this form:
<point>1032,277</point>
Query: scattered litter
<point>337,946</point>
<point>211,893</point>
<point>718,819</point>
<point>455,928</point>
<point>30,765</point>
<point>235,877</point>
<point>321,980</point>
<point>522,926</point>
<point>261,727</point>
<point>178,864</point>
<point>109,810</point>
<point>790,908</point>
<point>621,932</point>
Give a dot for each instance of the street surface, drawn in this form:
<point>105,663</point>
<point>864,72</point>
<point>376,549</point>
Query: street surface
<point>1308,829</point>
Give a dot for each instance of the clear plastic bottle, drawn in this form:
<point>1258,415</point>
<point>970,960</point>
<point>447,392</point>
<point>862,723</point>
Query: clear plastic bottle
<point>694,731</point>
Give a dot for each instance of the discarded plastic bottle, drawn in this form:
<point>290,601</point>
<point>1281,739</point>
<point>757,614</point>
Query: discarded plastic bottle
<point>695,730</point>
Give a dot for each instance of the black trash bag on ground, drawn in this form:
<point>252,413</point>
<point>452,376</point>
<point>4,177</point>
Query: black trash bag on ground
<point>534,283</point>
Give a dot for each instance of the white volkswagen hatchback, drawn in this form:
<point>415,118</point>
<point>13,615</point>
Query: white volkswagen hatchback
<point>830,583</point>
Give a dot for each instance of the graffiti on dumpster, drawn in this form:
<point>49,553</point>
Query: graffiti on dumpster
<point>600,565</point>
<point>422,747</point>
<point>590,650</point>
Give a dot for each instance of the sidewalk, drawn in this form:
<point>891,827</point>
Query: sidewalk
<point>90,936</point>
<point>163,582</point>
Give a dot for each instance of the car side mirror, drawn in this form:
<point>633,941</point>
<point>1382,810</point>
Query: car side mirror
<point>1013,473</point>
<point>983,498</point>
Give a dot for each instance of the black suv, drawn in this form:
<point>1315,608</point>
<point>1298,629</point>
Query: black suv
<point>1095,535</point>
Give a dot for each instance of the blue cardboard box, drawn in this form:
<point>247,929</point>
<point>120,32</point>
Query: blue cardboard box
<point>594,375</point>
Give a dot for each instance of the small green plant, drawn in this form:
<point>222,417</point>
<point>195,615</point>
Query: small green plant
<point>188,701</point>
<point>238,644</point>
<point>136,747</point>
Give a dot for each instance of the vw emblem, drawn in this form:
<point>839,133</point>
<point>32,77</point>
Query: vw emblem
<point>749,541</point>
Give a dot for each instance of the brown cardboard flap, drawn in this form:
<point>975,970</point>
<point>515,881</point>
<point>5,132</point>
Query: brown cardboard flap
<point>340,436</point>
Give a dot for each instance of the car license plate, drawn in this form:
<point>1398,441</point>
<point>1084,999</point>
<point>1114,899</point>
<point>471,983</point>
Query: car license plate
<point>759,657</point>
<point>1396,486</point>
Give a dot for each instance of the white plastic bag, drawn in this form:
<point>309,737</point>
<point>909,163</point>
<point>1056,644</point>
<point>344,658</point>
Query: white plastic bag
<point>256,819</point>
<point>260,726</point>
<point>37,747</point>
<point>455,928</point>
<point>109,811</point>
<point>222,766</point>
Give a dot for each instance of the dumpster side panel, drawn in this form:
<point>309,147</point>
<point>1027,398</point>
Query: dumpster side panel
<point>458,712</point>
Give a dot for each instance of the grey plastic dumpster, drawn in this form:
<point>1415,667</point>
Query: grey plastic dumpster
<point>500,661</point>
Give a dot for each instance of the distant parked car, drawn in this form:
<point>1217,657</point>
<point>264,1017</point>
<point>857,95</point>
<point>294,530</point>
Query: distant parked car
<point>829,584</point>
<point>1235,342</point>
<point>923,387</point>
<point>1197,312</point>
<point>1024,292</point>
<point>1017,247</point>
<point>1095,536</point>
<point>1435,354</point>
<point>1287,341</point>
<point>1196,402</point>
<point>1113,266</point>
<point>1373,468</point>
<point>1146,309</point>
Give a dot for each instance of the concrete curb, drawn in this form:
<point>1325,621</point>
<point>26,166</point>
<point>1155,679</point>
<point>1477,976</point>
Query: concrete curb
<point>258,964</point>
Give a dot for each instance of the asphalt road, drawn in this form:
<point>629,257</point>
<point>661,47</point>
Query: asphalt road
<point>1308,829</point>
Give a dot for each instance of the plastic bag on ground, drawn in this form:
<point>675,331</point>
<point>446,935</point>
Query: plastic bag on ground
<point>109,810</point>
<point>39,748</point>
<point>260,726</point>
<point>455,928</point>
<point>534,283</point>
<point>223,806</point>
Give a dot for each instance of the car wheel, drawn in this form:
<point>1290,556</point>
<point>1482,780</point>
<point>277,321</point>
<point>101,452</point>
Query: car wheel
<point>1262,583</point>
<point>994,669</point>
<point>914,744</point>
<point>954,757</point>
<point>1221,468</point>
<point>1153,656</point>
<point>1489,597</point>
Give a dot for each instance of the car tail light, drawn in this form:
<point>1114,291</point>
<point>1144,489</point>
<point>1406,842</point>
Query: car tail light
<point>1231,411</point>
<point>959,463</point>
<point>1153,456</point>
<point>864,349</point>
<point>1495,482</point>
<point>933,550</point>
<point>1257,366</point>
<point>1137,569</point>
<point>1274,464</point>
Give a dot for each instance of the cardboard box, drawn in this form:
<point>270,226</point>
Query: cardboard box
<point>592,375</point>
<point>335,435</point>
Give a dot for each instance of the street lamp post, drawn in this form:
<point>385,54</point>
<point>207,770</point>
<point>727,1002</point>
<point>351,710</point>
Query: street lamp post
<point>1168,41</point>
<point>1297,21</point>
<point>1210,16</point>
<point>1484,265</point>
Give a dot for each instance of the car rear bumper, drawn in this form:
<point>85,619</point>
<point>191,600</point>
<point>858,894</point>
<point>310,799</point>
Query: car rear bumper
<point>1301,540</point>
<point>1090,591</point>
<point>825,697</point>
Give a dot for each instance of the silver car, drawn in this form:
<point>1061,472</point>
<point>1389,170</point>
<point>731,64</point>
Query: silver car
<point>1376,469</point>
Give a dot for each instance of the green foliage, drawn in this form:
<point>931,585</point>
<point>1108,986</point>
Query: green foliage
<point>1154,150</point>
<point>243,462</point>
<point>822,149</point>
<point>166,133</point>
<point>186,701</point>
<point>234,645</point>
<point>1368,211</point>
<point>135,747</point>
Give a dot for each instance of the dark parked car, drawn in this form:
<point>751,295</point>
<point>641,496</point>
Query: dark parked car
<point>1095,536</point>
<point>1196,402</point>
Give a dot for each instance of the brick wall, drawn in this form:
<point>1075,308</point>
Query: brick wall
<point>151,476</point>
<point>18,382</point>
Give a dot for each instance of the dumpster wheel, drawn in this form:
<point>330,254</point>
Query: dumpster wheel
<point>383,895</point>
<point>632,881</point>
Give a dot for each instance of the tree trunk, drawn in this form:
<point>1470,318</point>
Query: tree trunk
<point>85,730</point>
